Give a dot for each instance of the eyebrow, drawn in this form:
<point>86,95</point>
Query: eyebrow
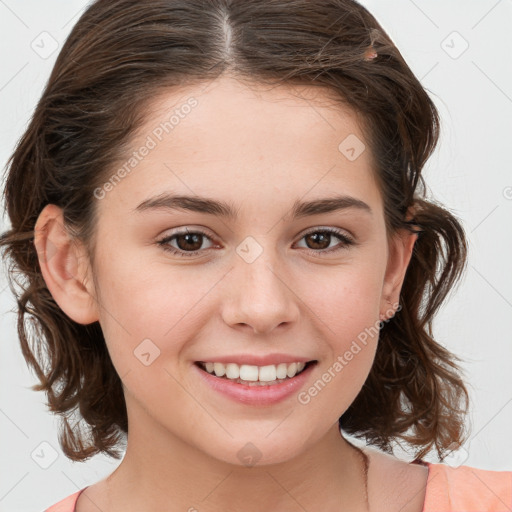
<point>227,210</point>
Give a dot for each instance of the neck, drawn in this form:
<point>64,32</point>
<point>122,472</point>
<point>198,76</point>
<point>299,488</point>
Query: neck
<point>161,470</point>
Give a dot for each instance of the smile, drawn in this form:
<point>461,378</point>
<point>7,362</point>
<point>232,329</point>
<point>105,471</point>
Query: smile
<point>254,375</point>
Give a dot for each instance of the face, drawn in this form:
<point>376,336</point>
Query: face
<point>273,282</point>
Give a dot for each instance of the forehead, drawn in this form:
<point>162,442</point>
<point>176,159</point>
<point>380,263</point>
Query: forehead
<point>242,110</point>
<point>241,141</point>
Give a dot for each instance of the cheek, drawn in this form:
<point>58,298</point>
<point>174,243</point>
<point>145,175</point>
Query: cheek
<point>345,305</point>
<point>345,299</point>
<point>348,328</point>
<point>151,309</point>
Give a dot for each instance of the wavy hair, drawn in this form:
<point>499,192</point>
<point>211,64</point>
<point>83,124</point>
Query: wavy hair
<point>119,55</point>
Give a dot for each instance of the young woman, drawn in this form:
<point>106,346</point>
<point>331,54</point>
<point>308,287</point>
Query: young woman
<point>219,221</point>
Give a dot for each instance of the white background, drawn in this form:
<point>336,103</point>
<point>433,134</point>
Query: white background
<point>470,173</point>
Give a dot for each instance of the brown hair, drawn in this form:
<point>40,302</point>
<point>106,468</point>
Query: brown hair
<point>119,55</point>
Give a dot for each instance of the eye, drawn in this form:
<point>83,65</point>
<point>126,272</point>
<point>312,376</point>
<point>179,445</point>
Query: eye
<point>320,238</point>
<point>189,242</point>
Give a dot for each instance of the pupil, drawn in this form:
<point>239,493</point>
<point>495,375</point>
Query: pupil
<point>187,237</point>
<point>316,236</point>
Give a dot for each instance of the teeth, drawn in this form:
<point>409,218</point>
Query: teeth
<point>268,373</point>
<point>292,370</point>
<point>232,371</point>
<point>247,372</point>
<point>282,371</point>
<point>219,369</point>
<point>250,373</point>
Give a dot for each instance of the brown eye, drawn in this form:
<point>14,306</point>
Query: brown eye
<point>188,242</point>
<point>319,240</point>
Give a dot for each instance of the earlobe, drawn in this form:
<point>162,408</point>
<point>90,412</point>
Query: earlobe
<point>64,266</point>
<point>400,253</point>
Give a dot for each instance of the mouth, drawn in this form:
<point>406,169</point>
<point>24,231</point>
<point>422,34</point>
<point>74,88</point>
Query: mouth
<point>251,375</point>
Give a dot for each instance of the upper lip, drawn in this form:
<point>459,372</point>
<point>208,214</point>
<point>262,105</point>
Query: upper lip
<point>256,360</point>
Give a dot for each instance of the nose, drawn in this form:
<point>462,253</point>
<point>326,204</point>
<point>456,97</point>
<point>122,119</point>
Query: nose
<point>259,297</point>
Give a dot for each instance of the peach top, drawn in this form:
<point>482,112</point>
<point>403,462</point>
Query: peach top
<point>462,489</point>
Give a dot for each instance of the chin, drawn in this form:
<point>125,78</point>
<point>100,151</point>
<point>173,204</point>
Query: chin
<point>258,450</point>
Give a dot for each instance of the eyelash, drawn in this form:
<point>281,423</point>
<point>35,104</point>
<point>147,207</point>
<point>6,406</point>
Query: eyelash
<point>347,242</point>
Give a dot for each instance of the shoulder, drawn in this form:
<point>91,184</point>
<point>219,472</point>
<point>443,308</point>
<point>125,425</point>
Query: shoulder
<point>67,504</point>
<point>466,488</point>
<point>395,484</point>
<point>429,487</point>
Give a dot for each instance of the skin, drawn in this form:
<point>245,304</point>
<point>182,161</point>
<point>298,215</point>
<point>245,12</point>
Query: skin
<point>260,149</point>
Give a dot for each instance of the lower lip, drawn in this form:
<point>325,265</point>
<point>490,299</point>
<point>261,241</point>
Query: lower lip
<point>256,395</point>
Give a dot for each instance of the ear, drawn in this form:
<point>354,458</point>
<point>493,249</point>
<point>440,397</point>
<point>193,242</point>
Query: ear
<point>401,246</point>
<point>65,266</point>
